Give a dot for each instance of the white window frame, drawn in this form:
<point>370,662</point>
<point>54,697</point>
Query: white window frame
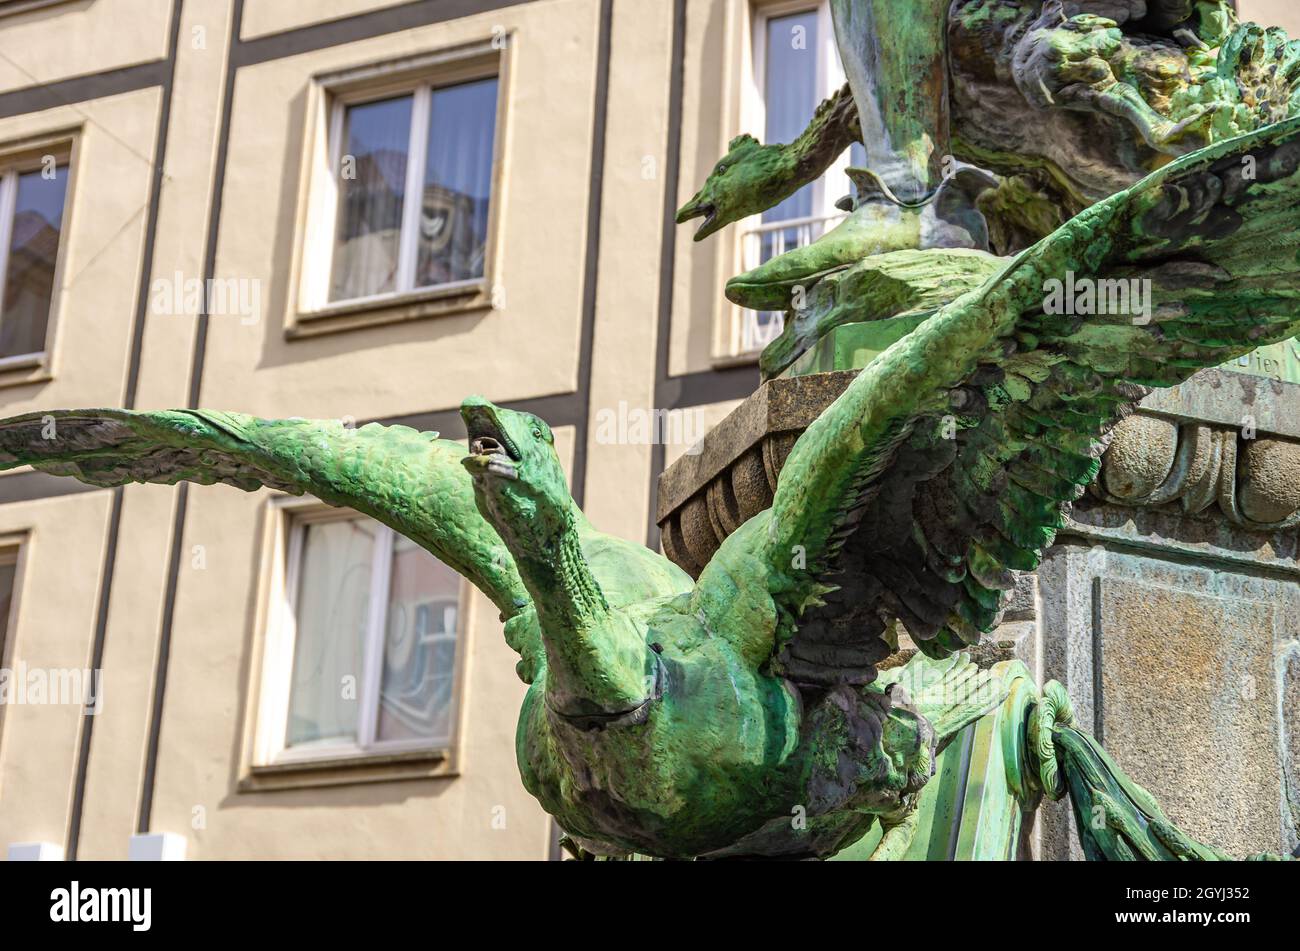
<point>292,517</point>
<point>334,92</point>
<point>9,173</point>
<point>828,189</point>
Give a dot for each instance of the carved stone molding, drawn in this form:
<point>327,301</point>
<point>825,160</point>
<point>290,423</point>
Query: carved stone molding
<point>1206,468</point>
<point>705,497</point>
<point>1153,461</point>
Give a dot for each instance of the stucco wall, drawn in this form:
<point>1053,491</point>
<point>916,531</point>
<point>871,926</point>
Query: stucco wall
<point>1283,13</point>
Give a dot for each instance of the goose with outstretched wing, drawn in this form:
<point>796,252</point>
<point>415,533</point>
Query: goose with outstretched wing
<point>945,467</point>
<point>743,713</point>
<point>411,481</point>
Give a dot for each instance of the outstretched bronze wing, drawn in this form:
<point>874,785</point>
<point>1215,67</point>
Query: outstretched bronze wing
<point>409,480</point>
<point>948,463</point>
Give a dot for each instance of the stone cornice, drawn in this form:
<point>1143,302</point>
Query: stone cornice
<point>1223,445</point>
<point>1254,482</point>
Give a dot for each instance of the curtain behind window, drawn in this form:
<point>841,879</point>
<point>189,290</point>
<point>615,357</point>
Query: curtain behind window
<point>332,610</point>
<point>416,686</point>
<point>33,252</point>
<point>372,188</point>
<point>457,183</point>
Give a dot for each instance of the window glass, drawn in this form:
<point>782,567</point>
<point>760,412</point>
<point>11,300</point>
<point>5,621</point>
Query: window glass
<point>332,615</point>
<point>29,264</point>
<point>457,183</point>
<point>7,569</point>
<point>372,189</point>
<point>416,687</point>
<point>791,94</point>
<point>411,626</point>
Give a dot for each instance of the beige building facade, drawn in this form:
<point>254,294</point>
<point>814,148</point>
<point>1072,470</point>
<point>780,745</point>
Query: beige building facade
<point>362,210</point>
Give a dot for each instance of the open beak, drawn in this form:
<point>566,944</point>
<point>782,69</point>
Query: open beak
<point>698,208</point>
<point>493,457</point>
<point>490,449</point>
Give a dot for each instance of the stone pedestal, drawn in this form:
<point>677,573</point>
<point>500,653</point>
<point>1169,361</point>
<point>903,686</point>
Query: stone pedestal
<point>1169,607</point>
<point>705,496</point>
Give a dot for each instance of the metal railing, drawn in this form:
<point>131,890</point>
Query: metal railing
<point>758,246</point>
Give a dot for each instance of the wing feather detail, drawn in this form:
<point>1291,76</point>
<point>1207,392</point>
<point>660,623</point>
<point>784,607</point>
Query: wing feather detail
<point>950,462</point>
<point>411,481</point>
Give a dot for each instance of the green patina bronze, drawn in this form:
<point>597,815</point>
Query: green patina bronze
<point>885,296</point>
<point>1064,110</point>
<point>753,177</point>
<point>744,712</point>
<point>1080,106</point>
